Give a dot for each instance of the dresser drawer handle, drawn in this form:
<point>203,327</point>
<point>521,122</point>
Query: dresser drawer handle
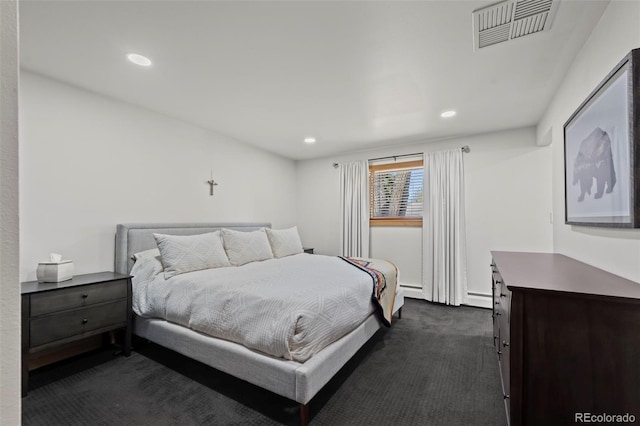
<point>505,396</point>
<point>498,282</point>
<point>503,295</point>
<point>497,302</point>
<point>498,314</point>
<point>505,343</point>
<point>499,353</point>
<point>85,295</point>
<point>85,320</point>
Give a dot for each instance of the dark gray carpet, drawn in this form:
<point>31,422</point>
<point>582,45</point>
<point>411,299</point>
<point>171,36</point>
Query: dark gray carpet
<point>435,366</point>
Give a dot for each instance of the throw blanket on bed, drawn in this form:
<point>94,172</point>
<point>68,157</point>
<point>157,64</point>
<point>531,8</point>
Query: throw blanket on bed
<point>385,279</point>
<point>290,307</point>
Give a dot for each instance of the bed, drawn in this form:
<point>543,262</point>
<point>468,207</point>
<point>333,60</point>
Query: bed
<point>295,380</point>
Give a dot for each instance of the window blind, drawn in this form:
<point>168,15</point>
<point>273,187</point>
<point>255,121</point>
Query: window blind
<point>397,192</point>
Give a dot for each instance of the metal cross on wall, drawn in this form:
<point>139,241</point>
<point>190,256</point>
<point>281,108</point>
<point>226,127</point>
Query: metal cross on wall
<point>211,183</point>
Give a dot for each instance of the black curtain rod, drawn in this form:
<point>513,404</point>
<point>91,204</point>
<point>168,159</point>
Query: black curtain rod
<point>464,149</point>
<point>395,156</point>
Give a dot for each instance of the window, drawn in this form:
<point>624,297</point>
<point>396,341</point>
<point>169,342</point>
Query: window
<point>396,194</point>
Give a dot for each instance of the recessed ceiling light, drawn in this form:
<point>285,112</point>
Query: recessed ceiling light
<point>448,114</point>
<point>143,61</point>
<point>310,139</point>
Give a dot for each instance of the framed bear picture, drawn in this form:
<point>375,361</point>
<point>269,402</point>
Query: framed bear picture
<point>602,152</point>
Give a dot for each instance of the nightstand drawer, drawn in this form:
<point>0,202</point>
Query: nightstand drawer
<point>55,327</point>
<point>57,318</point>
<point>75,297</point>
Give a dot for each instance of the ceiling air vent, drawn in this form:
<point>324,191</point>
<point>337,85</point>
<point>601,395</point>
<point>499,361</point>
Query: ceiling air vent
<point>511,19</point>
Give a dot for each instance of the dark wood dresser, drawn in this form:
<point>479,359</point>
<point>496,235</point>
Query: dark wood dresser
<point>55,315</point>
<point>567,336</point>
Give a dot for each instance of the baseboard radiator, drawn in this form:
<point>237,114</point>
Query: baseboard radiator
<point>476,299</point>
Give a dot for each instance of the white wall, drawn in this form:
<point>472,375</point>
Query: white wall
<point>10,401</point>
<point>88,163</point>
<point>618,32</point>
<point>508,203</point>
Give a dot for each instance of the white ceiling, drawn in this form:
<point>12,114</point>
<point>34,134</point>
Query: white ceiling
<point>353,74</point>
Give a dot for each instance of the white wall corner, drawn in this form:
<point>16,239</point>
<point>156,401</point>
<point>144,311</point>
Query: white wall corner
<point>544,138</point>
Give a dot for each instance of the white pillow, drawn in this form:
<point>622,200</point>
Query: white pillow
<point>244,247</point>
<point>284,242</point>
<point>187,253</point>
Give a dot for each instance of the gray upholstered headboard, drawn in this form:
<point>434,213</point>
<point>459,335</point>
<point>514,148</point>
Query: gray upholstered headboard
<point>136,237</point>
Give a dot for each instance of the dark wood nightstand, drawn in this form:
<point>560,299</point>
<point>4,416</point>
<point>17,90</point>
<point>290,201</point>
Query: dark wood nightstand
<point>308,250</point>
<point>57,314</point>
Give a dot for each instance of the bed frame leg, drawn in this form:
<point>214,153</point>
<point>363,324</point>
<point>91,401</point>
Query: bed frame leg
<point>304,414</point>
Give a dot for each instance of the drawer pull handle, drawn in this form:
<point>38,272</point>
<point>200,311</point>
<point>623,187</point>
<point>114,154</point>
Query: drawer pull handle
<point>503,295</point>
<point>498,314</point>
<point>505,343</point>
<point>85,295</point>
<point>497,302</point>
<point>499,353</point>
<point>498,282</point>
<point>85,320</point>
<point>505,396</point>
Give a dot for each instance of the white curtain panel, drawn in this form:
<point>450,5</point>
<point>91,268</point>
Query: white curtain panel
<point>444,241</point>
<point>354,206</point>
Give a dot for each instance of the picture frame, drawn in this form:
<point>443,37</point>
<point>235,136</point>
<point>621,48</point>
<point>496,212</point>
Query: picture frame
<point>602,152</point>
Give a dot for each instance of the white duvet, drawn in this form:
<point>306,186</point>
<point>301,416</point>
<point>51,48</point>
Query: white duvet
<point>289,308</point>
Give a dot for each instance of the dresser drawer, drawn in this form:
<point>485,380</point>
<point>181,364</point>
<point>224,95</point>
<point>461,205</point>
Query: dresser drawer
<point>495,291</point>
<point>504,353</point>
<point>504,305</point>
<point>72,323</point>
<point>504,361</point>
<point>76,297</point>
